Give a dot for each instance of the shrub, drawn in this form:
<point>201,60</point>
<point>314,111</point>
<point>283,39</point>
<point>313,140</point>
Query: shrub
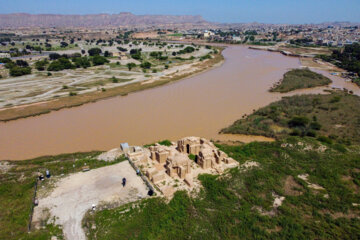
<point>54,56</point>
<point>114,80</point>
<point>60,64</point>
<point>94,51</point>
<point>131,66</point>
<point>188,49</point>
<point>165,143</point>
<point>335,99</point>
<point>315,125</point>
<point>99,60</point>
<point>19,71</point>
<point>145,65</point>
<point>72,94</point>
<point>22,63</point>
<point>40,65</point>
<point>121,49</point>
<point>311,133</point>
<point>298,122</point>
<point>81,62</point>
<point>325,139</point>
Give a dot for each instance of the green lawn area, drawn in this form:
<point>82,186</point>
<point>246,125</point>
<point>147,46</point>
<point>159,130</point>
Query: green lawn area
<point>299,79</point>
<point>226,207</point>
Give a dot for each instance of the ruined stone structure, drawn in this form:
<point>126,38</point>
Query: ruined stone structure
<point>175,163</point>
<point>179,164</point>
<point>206,154</point>
<point>164,166</point>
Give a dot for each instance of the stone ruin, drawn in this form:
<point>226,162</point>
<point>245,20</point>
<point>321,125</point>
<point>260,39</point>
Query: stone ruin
<point>207,155</point>
<point>175,167</point>
<point>170,167</point>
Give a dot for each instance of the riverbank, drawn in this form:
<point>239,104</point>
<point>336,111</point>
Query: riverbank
<point>328,117</point>
<point>39,108</point>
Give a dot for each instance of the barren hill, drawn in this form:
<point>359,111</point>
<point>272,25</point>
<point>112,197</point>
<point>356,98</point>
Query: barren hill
<point>95,20</point>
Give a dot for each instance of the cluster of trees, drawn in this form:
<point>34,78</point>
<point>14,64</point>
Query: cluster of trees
<point>136,53</point>
<point>188,49</point>
<point>121,49</point>
<point>61,62</point>
<point>302,126</point>
<point>94,51</point>
<point>348,58</point>
<point>301,41</point>
<point>158,55</point>
<point>18,68</point>
<point>76,62</point>
<point>145,65</point>
<point>131,66</point>
<point>40,65</point>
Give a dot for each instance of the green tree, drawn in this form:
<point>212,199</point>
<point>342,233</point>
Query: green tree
<point>131,66</point>
<point>94,51</point>
<point>19,71</point>
<point>99,60</point>
<point>145,65</point>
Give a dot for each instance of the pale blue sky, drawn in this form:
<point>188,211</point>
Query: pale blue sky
<point>267,11</point>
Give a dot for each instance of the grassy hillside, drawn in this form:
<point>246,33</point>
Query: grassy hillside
<point>298,79</point>
<point>335,116</point>
<point>239,205</point>
<point>17,181</point>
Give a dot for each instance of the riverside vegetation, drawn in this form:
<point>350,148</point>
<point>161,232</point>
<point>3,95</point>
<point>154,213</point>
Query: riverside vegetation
<point>299,79</point>
<point>332,117</point>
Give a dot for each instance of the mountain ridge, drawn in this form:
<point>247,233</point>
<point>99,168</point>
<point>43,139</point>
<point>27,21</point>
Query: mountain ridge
<point>95,20</point>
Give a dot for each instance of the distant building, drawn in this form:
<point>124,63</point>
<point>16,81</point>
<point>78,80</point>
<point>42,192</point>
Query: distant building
<point>5,55</point>
<point>208,34</point>
<point>236,38</point>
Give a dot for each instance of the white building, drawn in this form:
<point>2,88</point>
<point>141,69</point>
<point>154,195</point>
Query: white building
<point>208,34</point>
<point>5,55</point>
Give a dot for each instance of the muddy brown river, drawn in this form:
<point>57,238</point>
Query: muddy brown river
<point>196,106</point>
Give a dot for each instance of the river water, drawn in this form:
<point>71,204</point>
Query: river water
<point>197,106</point>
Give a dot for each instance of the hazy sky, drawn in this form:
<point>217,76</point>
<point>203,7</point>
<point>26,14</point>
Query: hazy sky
<point>267,11</point>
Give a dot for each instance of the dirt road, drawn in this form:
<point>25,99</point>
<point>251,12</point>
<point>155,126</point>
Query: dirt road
<point>74,195</point>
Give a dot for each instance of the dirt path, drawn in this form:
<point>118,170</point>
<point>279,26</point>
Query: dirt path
<point>75,194</point>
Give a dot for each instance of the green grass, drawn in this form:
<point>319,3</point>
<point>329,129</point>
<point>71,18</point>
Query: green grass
<point>175,35</point>
<point>224,209</point>
<point>17,188</point>
<point>299,79</point>
<point>335,115</point>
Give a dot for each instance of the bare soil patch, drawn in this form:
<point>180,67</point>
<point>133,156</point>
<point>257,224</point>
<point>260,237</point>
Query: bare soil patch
<point>291,187</point>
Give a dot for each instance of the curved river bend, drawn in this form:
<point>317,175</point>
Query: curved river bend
<point>197,106</point>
